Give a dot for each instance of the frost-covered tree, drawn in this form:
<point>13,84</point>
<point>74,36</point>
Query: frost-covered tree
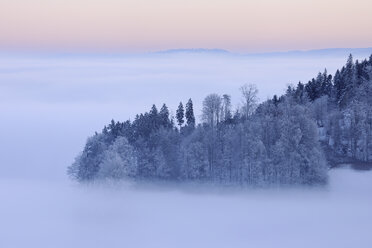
<point>194,158</point>
<point>212,109</point>
<point>119,161</point>
<point>249,93</point>
<point>87,164</point>
<point>168,154</point>
<point>226,108</point>
<point>297,152</point>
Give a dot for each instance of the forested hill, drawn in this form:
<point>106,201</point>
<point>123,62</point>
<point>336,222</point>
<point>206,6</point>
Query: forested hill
<point>291,139</point>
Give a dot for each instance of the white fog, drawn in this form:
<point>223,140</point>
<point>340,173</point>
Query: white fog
<point>52,214</point>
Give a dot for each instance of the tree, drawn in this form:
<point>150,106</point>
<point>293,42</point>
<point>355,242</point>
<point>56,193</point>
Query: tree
<point>300,96</point>
<point>87,164</point>
<point>190,118</point>
<point>154,118</point>
<point>180,115</point>
<point>313,88</point>
<point>226,108</point>
<point>326,84</point>
<point>164,117</point>
<point>249,92</point>
<point>347,83</point>
<point>212,109</point>
<point>297,154</point>
<point>195,161</point>
<point>119,161</point>
<point>168,153</point>
<point>339,86</point>
<point>194,155</point>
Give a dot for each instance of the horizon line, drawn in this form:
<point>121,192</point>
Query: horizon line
<point>196,50</point>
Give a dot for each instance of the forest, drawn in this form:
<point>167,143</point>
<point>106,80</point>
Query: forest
<point>292,139</point>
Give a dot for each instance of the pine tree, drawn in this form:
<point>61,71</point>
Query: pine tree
<point>164,116</point>
<point>349,78</point>
<point>326,83</point>
<point>190,118</point>
<point>180,115</point>
<point>154,118</point>
<point>339,85</point>
<point>154,110</point>
<point>314,87</point>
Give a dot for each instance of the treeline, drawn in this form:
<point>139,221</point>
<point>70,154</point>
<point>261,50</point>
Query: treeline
<point>342,109</point>
<point>281,141</point>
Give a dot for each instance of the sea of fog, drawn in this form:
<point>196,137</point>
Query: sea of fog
<point>52,214</point>
<point>50,104</point>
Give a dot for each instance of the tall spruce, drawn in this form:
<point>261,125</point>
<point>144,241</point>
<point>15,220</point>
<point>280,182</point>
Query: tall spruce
<point>164,117</point>
<point>154,117</point>
<point>190,118</point>
<point>180,114</point>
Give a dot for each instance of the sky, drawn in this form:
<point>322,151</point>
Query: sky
<point>143,25</point>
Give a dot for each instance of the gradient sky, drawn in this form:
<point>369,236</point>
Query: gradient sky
<point>144,25</point>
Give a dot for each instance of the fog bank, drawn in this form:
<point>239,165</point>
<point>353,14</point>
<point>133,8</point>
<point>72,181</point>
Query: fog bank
<point>45,214</point>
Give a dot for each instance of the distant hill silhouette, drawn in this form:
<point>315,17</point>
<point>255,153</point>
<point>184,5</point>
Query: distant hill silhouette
<point>343,52</point>
<point>194,50</point>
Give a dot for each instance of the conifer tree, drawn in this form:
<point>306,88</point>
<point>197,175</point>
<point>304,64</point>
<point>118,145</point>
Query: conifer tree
<point>154,117</point>
<point>164,116</point>
<point>180,114</point>
<point>190,118</point>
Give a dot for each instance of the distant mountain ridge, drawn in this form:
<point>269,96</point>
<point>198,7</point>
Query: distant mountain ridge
<point>314,52</point>
<point>334,52</point>
<point>194,50</point>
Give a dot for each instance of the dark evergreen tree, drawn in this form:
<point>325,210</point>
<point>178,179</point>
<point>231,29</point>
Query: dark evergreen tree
<point>275,100</point>
<point>190,118</point>
<point>180,115</point>
<point>349,80</point>
<point>314,87</point>
<point>300,94</point>
<point>327,84</point>
<point>164,117</point>
<point>339,86</point>
<point>154,119</point>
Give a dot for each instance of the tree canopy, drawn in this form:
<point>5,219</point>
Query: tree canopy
<point>286,140</point>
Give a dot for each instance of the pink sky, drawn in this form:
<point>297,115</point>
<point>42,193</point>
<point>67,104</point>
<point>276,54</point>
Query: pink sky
<point>144,25</point>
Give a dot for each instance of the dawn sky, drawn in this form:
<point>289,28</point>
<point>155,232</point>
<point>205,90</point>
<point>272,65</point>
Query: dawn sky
<point>143,25</point>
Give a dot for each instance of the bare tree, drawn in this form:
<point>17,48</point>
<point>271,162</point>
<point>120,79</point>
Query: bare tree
<point>250,99</point>
<point>212,109</point>
<point>226,107</point>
